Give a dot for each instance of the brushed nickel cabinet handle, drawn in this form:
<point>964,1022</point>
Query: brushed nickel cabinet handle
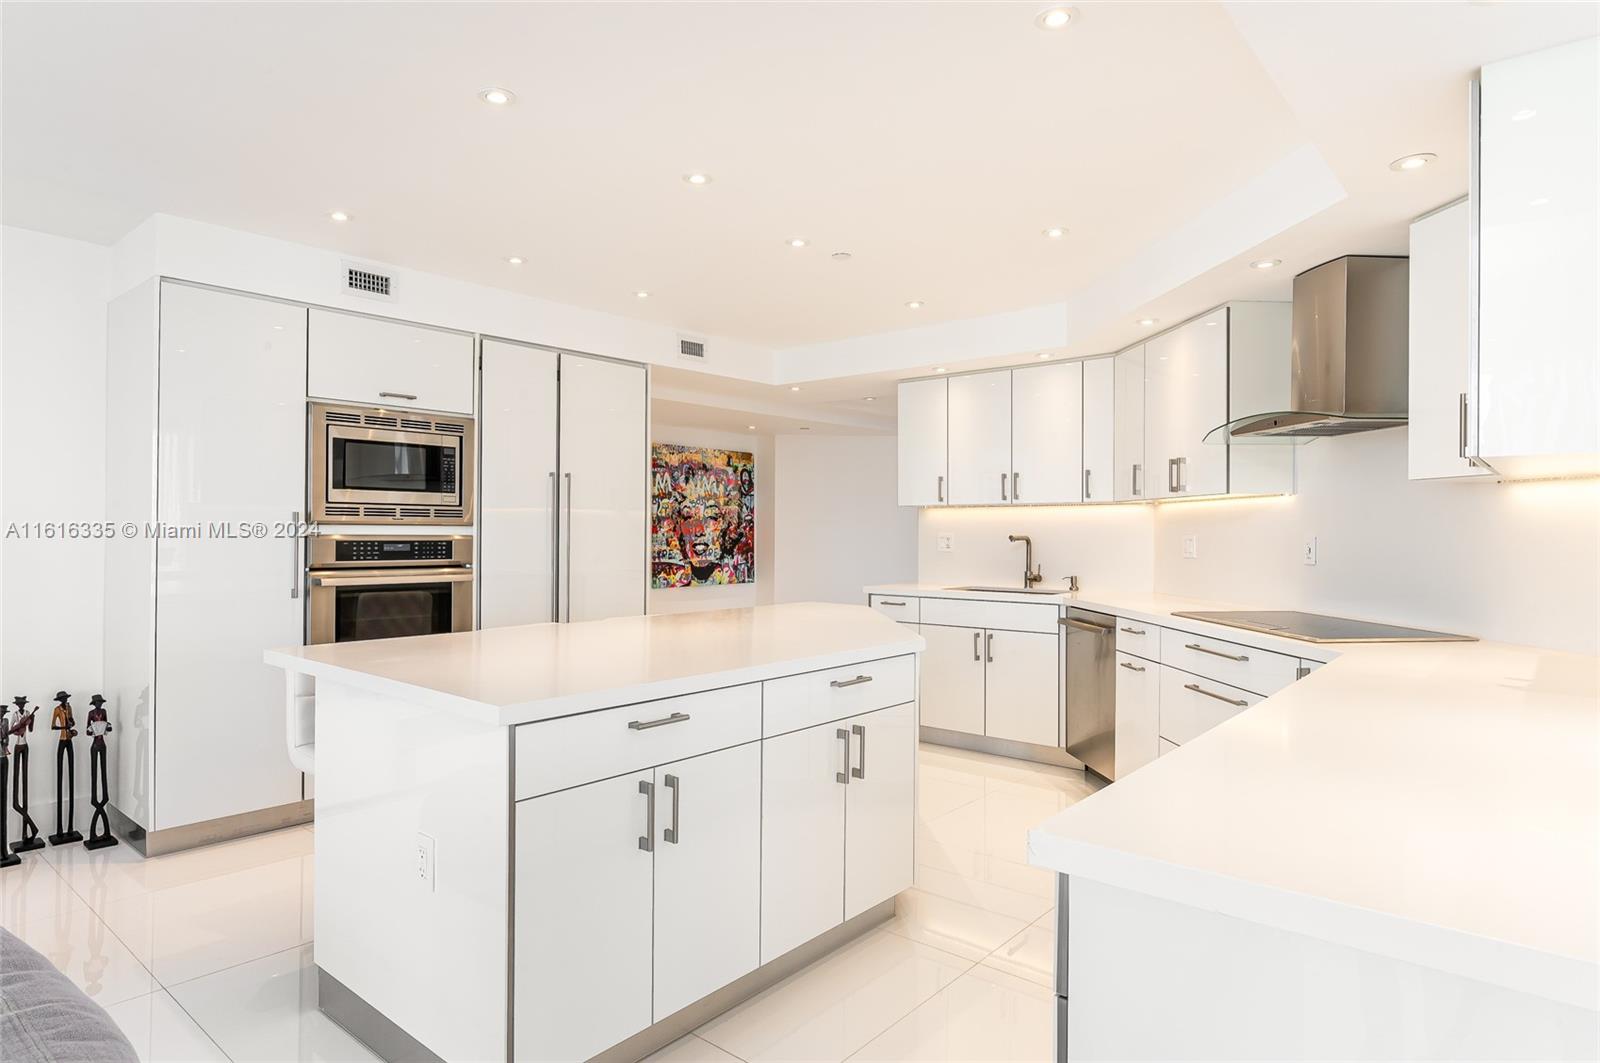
<point>1130,667</point>
<point>555,547</point>
<point>1016,493</point>
<point>1172,476</point>
<point>645,725</point>
<point>941,488</point>
<point>976,655</point>
<point>1086,485</point>
<point>988,648</point>
<point>396,395</point>
<point>1215,653</point>
<point>647,841</point>
<point>294,554</point>
<point>1135,484</point>
<point>1003,497</point>
<point>857,681</point>
<point>1133,630</point>
<point>1198,689</point>
<point>843,776</point>
<point>885,601</point>
<point>860,770</point>
<point>676,786</point>
<point>569,546</point>
<point>1462,429</point>
<point>1183,474</point>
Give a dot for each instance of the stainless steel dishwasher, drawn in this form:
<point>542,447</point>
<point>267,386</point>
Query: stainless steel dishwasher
<point>1092,689</point>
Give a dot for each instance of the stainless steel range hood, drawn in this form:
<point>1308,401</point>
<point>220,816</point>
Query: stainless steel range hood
<point>1348,355</point>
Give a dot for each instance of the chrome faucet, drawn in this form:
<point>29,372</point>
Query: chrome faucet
<point>1030,574</point>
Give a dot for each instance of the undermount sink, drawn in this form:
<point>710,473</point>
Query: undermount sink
<point>1004,590</point>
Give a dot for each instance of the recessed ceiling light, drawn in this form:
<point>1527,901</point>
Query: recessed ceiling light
<point>697,178</point>
<point>515,260</point>
<point>1212,323</point>
<point>938,369</point>
<point>872,398</point>
<point>1524,114</point>
<point>338,215</point>
<point>840,256</point>
<point>1054,18</point>
<point>751,427</point>
<point>641,294</point>
<point>1266,263</point>
<point>794,387</point>
<point>1148,321</point>
<point>1413,162</point>
<point>1055,232</point>
<point>497,97</point>
<point>797,242</point>
<point>915,304</point>
<point>1539,202</point>
<point>1044,355</point>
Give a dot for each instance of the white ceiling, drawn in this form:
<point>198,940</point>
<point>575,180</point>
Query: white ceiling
<point>933,140</point>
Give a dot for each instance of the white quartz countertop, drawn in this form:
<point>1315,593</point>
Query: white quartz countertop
<point>513,675</point>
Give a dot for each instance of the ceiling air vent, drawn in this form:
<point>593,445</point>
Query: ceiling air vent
<point>365,281</point>
<point>691,348</point>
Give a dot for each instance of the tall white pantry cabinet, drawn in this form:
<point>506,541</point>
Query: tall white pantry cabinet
<point>208,433</point>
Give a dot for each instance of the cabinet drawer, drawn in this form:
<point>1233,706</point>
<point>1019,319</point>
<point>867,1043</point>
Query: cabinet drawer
<point>797,701</point>
<point>1138,638</point>
<point>556,754</point>
<point>897,606</point>
<point>1191,705</point>
<point>1000,616</point>
<point>1259,671</point>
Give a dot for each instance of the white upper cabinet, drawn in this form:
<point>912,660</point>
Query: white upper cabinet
<point>1099,406</point>
<point>1538,372</point>
<point>1260,364</point>
<point>924,424</point>
<point>1437,433</point>
<point>1127,447</point>
<point>980,438</point>
<point>376,362</point>
<point>1047,433</point>
<point>1186,395</point>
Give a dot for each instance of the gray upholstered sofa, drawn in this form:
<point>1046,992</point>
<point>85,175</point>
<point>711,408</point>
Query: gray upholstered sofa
<point>44,1018</point>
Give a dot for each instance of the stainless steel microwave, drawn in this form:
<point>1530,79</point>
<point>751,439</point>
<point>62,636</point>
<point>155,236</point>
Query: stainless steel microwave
<point>377,466</point>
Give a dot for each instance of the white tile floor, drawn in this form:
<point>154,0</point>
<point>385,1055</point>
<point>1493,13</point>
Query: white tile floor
<point>207,955</point>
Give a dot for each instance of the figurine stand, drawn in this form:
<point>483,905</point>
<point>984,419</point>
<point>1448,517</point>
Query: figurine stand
<point>62,722</point>
<point>19,802</point>
<point>99,726</point>
<point>7,857</point>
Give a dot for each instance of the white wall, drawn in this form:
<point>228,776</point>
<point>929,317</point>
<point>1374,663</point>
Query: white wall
<point>1510,562</point>
<point>1104,546</point>
<point>838,527</point>
<point>52,461</point>
<point>738,596</point>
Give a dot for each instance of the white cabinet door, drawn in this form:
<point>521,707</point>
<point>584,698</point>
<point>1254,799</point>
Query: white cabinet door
<point>708,874</point>
<point>1127,449</point>
<point>923,426</point>
<point>1047,433</point>
<point>980,438</point>
<point>1099,411</point>
<point>377,362</point>
<point>515,554</point>
<point>230,449</point>
<point>880,810</point>
<point>952,678</point>
<point>1186,395</point>
<point>1022,687</point>
<point>802,836</point>
<point>605,463</point>
<point>581,965</point>
<point>1538,382</point>
<point>1436,436</point>
<point>1138,713</point>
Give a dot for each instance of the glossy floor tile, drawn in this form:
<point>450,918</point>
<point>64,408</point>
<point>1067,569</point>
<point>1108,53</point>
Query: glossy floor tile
<point>207,954</point>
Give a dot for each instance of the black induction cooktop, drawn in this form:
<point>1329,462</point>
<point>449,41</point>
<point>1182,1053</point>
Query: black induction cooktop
<point>1314,627</point>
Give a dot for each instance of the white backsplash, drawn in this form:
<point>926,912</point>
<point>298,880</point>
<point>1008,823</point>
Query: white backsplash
<point>1110,547</point>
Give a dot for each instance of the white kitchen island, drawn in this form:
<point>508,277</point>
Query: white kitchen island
<point>561,840</point>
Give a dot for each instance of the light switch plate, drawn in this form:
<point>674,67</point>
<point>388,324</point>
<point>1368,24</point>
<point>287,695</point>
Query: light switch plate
<point>425,860</point>
<point>1309,554</point>
<point>1191,546</point>
<point>946,543</point>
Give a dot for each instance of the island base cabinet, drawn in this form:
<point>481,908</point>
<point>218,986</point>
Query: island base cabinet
<point>838,816</point>
<point>707,874</point>
<point>951,691</point>
<point>879,807</point>
<point>802,827</point>
<point>581,958</point>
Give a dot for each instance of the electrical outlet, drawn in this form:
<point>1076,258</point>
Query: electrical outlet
<point>1309,555</point>
<point>946,543</point>
<point>1191,546</point>
<point>425,860</point>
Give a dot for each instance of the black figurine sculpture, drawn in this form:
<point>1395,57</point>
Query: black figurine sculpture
<point>21,724</point>
<point>7,857</point>
<point>66,727</point>
<point>98,726</point>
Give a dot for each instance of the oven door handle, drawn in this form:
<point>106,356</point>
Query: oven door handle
<point>393,575</point>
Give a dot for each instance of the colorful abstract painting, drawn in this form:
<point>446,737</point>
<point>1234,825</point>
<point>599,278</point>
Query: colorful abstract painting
<point>703,524</point>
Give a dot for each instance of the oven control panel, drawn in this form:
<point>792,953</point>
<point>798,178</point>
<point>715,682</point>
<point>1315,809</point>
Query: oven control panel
<point>409,551</point>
